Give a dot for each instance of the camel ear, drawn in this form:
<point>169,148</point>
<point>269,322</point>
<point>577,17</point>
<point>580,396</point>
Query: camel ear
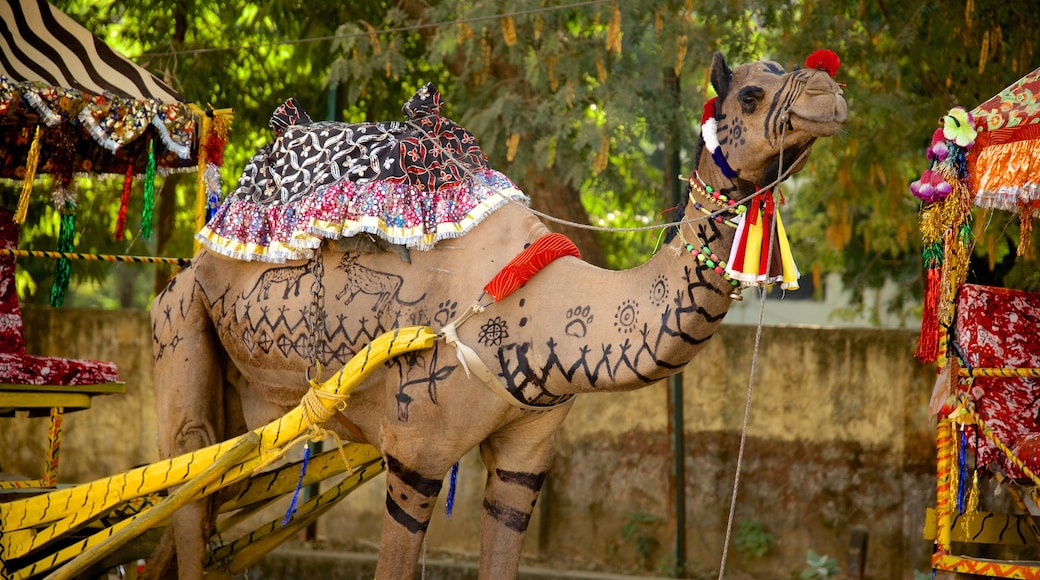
<point>720,75</point>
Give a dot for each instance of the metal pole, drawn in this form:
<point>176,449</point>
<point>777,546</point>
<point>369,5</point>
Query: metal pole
<point>677,422</point>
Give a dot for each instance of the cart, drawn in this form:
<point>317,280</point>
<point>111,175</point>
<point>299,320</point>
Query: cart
<point>984,340</point>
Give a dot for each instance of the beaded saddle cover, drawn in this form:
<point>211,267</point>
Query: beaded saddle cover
<point>411,183</point>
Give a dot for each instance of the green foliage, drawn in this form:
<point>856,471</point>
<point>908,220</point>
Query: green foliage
<point>565,114</point>
<point>903,71</point>
<point>819,567</point>
<point>638,532</point>
<point>128,284</point>
<point>752,540</point>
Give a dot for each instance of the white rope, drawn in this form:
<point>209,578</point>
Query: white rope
<point>782,175</point>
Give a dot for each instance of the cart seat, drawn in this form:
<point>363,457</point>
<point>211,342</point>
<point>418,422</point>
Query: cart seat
<point>19,368</point>
<point>1000,328</point>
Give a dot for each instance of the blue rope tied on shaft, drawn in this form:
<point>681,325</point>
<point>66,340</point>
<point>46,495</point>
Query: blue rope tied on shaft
<point>962,472</point>
<point>449,504</point>
<point>293,508</point>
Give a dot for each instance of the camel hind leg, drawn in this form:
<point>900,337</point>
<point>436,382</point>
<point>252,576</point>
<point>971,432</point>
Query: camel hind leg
<point>517,458</point>
<point>190,399</point>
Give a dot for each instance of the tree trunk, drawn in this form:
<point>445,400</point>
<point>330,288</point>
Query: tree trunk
<point>564,202</point>
<point>166,212</point>
<point>165,222</point>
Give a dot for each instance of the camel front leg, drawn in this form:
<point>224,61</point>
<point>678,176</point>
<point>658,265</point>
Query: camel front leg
<point>190,399</point>
<point>412,485</point>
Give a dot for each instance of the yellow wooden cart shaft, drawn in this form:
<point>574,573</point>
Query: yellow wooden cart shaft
<point>18,543</point>
<point>235,557</point>
<point>264,486</point>
<point>141,523</point>
<point>51,561</point>
<point>75,506</point>
<point>101,495</point>
<point>260,501</point>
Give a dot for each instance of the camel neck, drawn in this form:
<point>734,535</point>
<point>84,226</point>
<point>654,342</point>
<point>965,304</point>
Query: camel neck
<point>714,203</point>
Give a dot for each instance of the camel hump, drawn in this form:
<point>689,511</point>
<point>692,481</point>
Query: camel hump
<point>411,183</point>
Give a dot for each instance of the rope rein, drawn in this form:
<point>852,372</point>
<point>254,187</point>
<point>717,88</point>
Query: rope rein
<point>798,88</point>
<point>781,177</point>
<point>315,414</point>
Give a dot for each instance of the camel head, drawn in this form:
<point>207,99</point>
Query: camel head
<point>765,115</point>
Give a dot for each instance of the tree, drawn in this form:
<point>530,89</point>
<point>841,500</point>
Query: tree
<point>574,100</point>
<point>906,65</point>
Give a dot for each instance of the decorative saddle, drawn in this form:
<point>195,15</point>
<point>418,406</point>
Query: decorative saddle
<point>411,182</point>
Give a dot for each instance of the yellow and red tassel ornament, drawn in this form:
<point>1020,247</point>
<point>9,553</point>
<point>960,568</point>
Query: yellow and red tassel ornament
<point>946,225</point>
<point>213,137</point>
<point>761,252</point>
<point>30,174</point>
<point>213,147</point>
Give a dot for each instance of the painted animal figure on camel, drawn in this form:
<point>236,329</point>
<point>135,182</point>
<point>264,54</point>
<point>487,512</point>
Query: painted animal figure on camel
<point>235,334</point>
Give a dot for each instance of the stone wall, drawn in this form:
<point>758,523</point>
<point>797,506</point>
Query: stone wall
<point>838,440</point>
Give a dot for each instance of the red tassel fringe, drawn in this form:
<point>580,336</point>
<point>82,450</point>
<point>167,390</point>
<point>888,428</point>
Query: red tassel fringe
<point>928,344</point>
<point>124,201</point>
<point>214,146</point>
<point>826,60</point>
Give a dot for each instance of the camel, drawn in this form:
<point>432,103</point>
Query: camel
<point>229,355</point>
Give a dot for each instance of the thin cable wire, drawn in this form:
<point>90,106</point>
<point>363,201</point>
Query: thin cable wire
<point>704,217</point>
<point>382,31</point>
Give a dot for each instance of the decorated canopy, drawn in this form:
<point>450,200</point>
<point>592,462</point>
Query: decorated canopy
<point>99,110</point>
<point>988,157</point>
<point>71,105</point>
<point>1004,164</point>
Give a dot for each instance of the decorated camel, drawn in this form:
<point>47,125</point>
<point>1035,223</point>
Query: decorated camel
<point>296,277</point>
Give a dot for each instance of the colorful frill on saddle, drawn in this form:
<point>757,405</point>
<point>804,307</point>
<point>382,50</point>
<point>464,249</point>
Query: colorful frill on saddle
<point>750,261</point>
<point>412,183</point>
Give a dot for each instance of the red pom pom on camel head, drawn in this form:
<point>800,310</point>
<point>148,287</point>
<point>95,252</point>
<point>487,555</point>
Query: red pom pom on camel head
<point>824,59</point>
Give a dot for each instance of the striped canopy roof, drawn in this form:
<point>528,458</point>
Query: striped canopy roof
<point>41,43</point>
<point>97,111</point>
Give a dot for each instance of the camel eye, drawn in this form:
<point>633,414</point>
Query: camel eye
<point>749,98</point>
